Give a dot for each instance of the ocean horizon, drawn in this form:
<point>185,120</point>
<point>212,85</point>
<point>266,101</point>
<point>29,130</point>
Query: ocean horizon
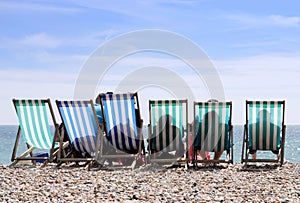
<point>292,143</point>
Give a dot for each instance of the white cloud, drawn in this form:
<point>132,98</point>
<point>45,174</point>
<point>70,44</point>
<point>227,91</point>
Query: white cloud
<point>42,51</point>
<point>41,40</point>
<point>115,6</point>
<point>262,43</point>
<point>59,60</point>
<point>279,62</point>
<point>93,39</point>
<point>249,21</point>
<point>157,11</point>
<point>28,6</point>
<point>36,77</point>
<point>284,20</point>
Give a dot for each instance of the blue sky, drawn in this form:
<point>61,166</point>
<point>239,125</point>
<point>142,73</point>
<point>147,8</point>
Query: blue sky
<point>254,45</point>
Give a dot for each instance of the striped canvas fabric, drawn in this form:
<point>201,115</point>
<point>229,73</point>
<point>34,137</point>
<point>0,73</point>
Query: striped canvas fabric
<point>168,119</point>
<point>264,124</point>
<point>212,125</point>
<point>120,121</point>
<point>34,123</point>
<point>80,123</point>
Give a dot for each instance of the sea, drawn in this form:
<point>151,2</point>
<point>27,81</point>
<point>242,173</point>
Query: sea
<point>292,144</point>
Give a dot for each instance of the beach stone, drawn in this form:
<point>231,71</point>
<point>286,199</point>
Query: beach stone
<point>150,184</point>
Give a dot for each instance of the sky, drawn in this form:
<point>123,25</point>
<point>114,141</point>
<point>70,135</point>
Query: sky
<point>253,45</point>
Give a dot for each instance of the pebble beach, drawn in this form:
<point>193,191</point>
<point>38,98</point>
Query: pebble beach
<point>151,183</point>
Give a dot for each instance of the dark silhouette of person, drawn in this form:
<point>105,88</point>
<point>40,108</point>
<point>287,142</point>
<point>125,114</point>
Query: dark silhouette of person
<point>208,122</point>
<point>264,118</point>
<point>162,131</point>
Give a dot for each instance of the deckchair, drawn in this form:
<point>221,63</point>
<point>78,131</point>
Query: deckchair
<point>264,130</point>
<point>123,128</point>
<point>168,123</point>
<point>212,131</point>
<point>36,130</point>
<point>83,129</point>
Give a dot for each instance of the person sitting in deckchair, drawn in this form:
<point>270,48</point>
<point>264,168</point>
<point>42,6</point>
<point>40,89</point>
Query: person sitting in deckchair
<point>263,117</point>
<point>165,131</point>
<point>212,134</point>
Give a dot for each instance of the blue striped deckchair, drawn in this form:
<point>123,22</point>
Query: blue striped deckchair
<point>168,119</point>
<point>35,128</point>
<point>212,130</point>
<point>264,130</point>
<point>122,125</point>
<point>83,128</point>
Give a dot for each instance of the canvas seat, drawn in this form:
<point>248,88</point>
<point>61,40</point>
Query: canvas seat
<point>167,131</point>
<point>83,130</point>
<point>212,131</point>
<point>35,127</point>
<point>122,123</point>
<point>264,131</point>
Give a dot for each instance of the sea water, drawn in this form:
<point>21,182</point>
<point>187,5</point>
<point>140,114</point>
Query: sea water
<point>292,143</point>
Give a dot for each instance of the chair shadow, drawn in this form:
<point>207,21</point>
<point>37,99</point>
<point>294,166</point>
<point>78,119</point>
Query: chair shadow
<point>209,167</point>
<point>259,168</point>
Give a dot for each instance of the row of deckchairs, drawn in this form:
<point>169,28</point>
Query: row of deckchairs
<point>118,136</point>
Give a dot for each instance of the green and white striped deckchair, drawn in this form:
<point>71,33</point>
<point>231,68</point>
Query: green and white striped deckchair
<point>264,130</point>
<point>212,130</point>
<point>168,121</point>
<point>35,128</point>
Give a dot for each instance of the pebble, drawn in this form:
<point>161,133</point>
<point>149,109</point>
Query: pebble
<point>150,183</point>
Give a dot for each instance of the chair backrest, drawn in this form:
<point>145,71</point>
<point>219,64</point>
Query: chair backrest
<point>212,121</point>
<point>34,123</point>
<point>168,118</point>
<point>81,123</point>
<point>264,120</point>
<point>121,117</point>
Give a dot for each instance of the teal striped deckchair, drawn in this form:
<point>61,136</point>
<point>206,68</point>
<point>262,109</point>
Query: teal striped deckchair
<point>212,130</point>
<point>35,128</point>
<point>83,129</point>
<point>264,130</point>
<point>168,121</point>
<point>122,126</point>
